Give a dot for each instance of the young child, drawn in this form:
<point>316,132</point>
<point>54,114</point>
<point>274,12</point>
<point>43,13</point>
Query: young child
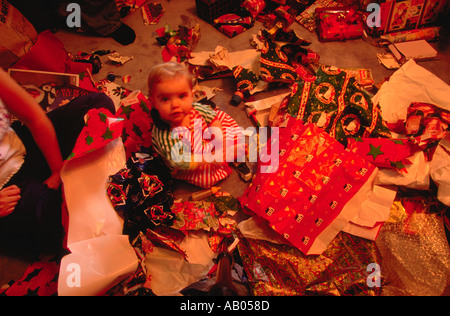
<point>176,116</point>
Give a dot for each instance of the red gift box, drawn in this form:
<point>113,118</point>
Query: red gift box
<point>338,23</point>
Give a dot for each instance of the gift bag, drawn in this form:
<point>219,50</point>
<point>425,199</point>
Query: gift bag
<point>316,191</point>
<point>281,270</point>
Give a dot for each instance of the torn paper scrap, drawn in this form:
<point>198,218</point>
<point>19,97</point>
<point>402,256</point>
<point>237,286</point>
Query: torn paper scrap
<point>118,59</point>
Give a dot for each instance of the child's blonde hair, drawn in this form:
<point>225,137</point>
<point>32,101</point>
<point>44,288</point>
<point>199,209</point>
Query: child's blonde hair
<point>167,71</point>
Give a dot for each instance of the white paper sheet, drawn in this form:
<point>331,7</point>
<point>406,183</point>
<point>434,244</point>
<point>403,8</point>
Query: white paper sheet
<point>411,83</point>
<point>170,272</point>
<point>100,254</point>
<point>440,169</point>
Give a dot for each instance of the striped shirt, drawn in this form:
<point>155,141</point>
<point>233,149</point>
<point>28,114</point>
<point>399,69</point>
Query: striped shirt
<point>178,147</point>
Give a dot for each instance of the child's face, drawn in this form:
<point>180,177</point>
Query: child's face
<point>173,100</point>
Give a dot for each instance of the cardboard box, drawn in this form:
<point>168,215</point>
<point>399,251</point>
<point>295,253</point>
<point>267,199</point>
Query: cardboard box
<point>23,76</point>
<point>417,50</point>
<point>51,90</point>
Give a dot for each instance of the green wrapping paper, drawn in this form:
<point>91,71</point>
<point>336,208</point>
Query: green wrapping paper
<point>336,103</point>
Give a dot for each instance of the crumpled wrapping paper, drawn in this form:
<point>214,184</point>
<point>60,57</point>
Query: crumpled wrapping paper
<point>411,83</point>
<point>318,190</point>
<point>275,269</point>
<point>415,251</point>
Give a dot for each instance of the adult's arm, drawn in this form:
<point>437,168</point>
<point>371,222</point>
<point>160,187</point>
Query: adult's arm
<point>23,106</point>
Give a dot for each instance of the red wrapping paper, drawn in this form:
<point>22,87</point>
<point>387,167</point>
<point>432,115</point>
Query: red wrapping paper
<point>383,152</point>
<point>316,178</point>
<point>338,23</point>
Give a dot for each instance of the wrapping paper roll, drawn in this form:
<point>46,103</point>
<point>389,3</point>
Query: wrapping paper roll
<point>428,34</point>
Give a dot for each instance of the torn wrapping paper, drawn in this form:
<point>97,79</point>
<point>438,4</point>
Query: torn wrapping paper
<point>427,124</point>
<point>204,93</point>
<point>363,76</point>
<point>116,92</point>
<point>388,60</point>
<point>416,176</point>
<point>383,152</point>
<point>440,169</point>
<point>316,190</point>
<point>152,13</point>
<point>93,205</point>
<point>246,80</point>
<point>134,109</point>
<point>232,24</point>
<point>411,83</point>
<point>128,6</point>
<point>166,238</point>
<point>178,44</point>
<point>220,62</point>
<point>282,270</point>
<point>97,264</point>
<point>168,272</point>
<point>101,129</point>
<point>94,230</point>
<point>308,17</point>
<point>39,279</point>
<point>141,193</point>
<point>119,59</point>
<point>260,110</point>
<point>195,216</point>
<point>286,63</point>
<point>373,210</point>
<point>222,59</point>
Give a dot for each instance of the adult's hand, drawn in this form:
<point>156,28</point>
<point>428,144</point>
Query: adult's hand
<point>9,197</point>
